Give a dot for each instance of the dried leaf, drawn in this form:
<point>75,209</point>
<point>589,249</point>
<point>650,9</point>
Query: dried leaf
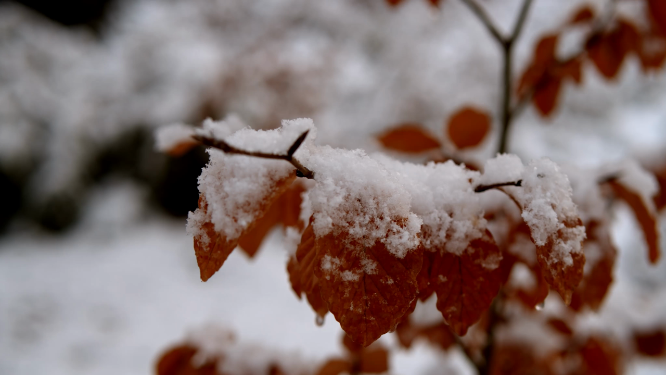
<point>608,51</point>
<point>652,343</point>
<point>367,289</point>
<point>411,138</point>
<point>598,278</point>
<point>468,127</point>
<point>546,94</point>
<point>583,15</point>
<point>335,367</point>
<point>652,52</point>
<point>600,357</point>
<point>285,210</point>
<point>658,14</point>
<point>466,284</point>
<point>437,334</point>
<point>213,248</point>
<point>178,361</point>
<point>374,360</point>
<point>302,275</point>
<point>562,277</point>
<point>645,217</point>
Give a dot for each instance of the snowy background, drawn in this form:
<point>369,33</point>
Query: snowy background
<point>97,275</point>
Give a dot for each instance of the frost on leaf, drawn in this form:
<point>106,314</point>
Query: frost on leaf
<point>545,199</point>
<point>367,288</point>
<point>234,194</point>
<point>466,284</point>
<point>411,138</point>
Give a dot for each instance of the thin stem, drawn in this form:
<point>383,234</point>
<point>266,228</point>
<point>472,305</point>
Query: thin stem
<point>482,188</point>
<point>301,171</point>
<point>485,19</point>
<point>506,44</point>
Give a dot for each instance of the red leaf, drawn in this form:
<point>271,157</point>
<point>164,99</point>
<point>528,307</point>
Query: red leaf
<point>583,15</point>
<point>466,284</point>
<point>652,52</point>
<point>546,94</point>
<point>608,51</point>
<point>285,210</point>
<point>367,289</point>
<point>178,361</point>
<point>335,367</point>
<point>438,334</point>
<point>651,344</point>
<point>564,278</point>
<point>658,14</point>
<point>600,357</point>
<point>598,278</point>
<point>213,248</point>
<point>301,272</point>
<point>411,138</point>
<point>645,217</point>
<point>468,127</point>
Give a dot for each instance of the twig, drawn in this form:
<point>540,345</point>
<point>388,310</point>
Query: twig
<point>482,188</point>
<point>483,16</point>
<point>301,171</point>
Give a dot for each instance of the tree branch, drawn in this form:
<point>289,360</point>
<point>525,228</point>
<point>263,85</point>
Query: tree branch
<point>301,171</point>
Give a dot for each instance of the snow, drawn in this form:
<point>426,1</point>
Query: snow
<point>110,302</point>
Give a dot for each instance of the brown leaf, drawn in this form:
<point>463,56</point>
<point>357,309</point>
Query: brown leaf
<point>560,326</point>
<point>468,127</point>
<point>562,277</point>
<point>213,248</point>
<point>598,278</point>
<point>583,15</point>
<point>646,219</point>
<point>600,357</point>
<point>658,14</point>
<point>546,94</point>
<point>285,210</point>
<point>374,360</point>
<point>438,334</point>
<point>181,148</point>
<point>178,361</point>
<point>652,343</point>
<point>518,359</point>
<point>251,241</point>
<point>367,289</point>
<point>335,367</point>
<point>466,284</point>
<point>652,52</point>
<point>411,138</point>
<point>608,51</point>
<point>302,275</point>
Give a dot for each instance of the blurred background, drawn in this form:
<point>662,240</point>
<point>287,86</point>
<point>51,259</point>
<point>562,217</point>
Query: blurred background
<point>97,275</point>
